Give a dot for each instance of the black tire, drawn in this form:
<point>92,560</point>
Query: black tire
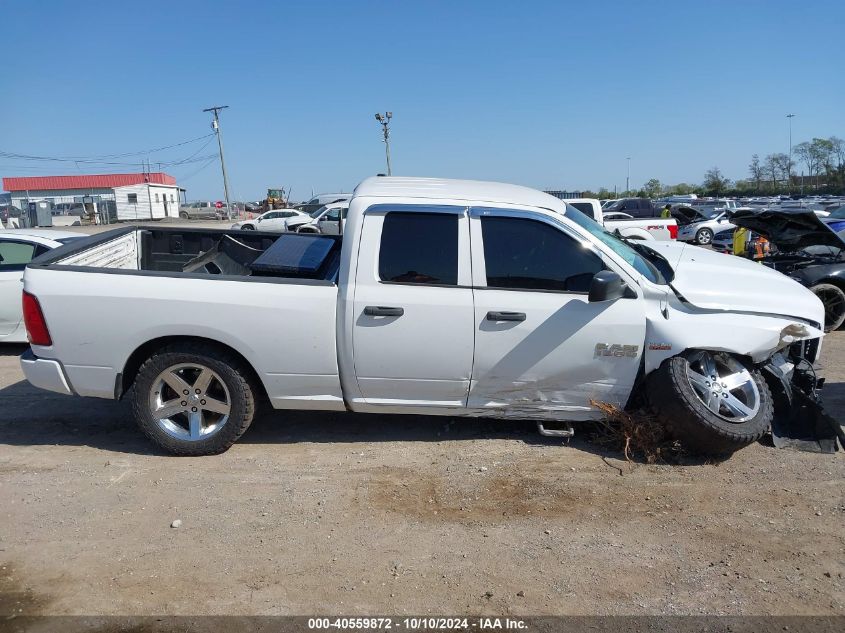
<point>184,216</point>
<point>247,227</point>
<point>833,299</point>
<point>688,419</point>
<point>231,372</point>
<point>704,236</point>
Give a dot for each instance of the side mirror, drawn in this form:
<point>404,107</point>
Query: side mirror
<point>606,286</point>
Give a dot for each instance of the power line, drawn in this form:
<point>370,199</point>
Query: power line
<point>98,159</point>
<point>210,162</point>
<point>184,161</point>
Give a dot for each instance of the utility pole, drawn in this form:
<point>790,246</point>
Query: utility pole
<point>628,177</point>
<point>789,162</point>
<point>215,124</point>
<point>384,119</point>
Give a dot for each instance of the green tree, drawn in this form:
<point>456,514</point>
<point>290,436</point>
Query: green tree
<point>715,182</point>
<point>757,172</point>
<point>681,189</point>
<point>776,168</point>
<point>653,188</point>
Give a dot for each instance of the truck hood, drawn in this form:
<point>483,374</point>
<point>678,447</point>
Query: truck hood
<point>714,281</point>
<point>788,230</point>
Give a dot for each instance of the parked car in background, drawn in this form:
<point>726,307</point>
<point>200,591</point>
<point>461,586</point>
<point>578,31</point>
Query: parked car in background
<point>274,221</point>
<point>808,251</point>
<point>635,207</point>
<point>69,208</point>
<point>699,225</point>
<point>18,247</point>
<point>723,241</point>
<point>200,211</point>
<point>628,227</point>
<point>328,222</point>
<point>295,223</point>
<point>320,200</point>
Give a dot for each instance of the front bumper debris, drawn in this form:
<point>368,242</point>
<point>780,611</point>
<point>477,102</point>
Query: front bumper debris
<point>800,421</point>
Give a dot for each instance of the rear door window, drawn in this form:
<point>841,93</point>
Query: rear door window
<point>419,248</point>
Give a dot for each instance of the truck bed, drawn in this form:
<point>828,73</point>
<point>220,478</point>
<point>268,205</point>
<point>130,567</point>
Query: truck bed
<point>106,297</point>
<point>189,252</point>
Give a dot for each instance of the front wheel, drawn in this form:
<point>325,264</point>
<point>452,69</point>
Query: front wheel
<point>833,299</point>
<point>704,236</point>
<point>184,216</point>
<point>193,399</point>
<point>247,227</point>
<point>711,402</point>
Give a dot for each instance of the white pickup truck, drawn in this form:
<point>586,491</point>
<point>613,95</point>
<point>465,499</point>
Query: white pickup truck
<point>454,298</point>
<point>627,225</point>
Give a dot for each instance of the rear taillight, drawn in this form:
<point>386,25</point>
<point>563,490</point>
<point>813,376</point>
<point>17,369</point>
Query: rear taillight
<point>36,326</point>
<point>673,231</point>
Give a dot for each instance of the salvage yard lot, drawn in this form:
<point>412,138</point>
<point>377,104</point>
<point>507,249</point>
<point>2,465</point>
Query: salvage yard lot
<point>325,513</point>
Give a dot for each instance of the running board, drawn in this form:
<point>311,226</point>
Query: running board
<point>567,432</point>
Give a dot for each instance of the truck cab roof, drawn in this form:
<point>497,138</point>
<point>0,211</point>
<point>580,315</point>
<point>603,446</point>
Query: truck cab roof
<point>469,190</point>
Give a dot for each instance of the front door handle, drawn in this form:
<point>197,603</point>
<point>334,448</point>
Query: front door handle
<point>506,316</point>
<point>383,311</point>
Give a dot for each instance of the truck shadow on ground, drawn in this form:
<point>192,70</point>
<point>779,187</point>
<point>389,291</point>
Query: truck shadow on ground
<point>32,417</point>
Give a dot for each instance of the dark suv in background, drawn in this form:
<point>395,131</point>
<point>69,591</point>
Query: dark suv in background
<point>635,207</point>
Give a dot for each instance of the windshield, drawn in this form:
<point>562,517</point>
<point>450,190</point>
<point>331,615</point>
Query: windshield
<point>838,214</point>
<point>317,212</point>
<point>637,257</point>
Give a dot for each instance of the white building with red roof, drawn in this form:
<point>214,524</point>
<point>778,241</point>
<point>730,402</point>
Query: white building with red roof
<point>139,196</point>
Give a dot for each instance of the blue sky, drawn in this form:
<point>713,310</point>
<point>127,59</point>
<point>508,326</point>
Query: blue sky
<point>546,94</point>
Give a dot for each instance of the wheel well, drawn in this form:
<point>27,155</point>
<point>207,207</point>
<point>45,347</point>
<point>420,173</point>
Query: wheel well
<point>137,358</point>
<point>833,281</point>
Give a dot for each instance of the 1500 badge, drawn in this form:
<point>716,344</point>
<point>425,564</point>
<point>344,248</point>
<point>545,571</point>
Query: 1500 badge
<point>617,350</point>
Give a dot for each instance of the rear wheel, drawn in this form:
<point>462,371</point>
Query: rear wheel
<point>704,236</point>
<point>833,299</point>
<point>193,399</point>
<point>711,401</point>
<point>247,227</point>
<point>184,216</point>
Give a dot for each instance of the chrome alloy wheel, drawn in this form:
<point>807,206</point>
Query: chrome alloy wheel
<point>724,386</point>
<point>190,401</point>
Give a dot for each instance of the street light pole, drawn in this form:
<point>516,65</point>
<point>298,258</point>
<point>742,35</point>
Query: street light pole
<point>789,162</point>
<point>628,177</point>
<point>384,119</point>
<point>215,124</point>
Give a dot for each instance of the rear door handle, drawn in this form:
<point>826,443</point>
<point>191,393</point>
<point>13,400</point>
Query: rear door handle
<point>383,311</point>
<point>506,316</point>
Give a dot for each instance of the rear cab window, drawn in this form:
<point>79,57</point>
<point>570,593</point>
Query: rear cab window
<point>419,248</point>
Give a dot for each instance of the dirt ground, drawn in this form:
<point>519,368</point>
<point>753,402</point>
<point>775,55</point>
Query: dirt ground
<point>327,514</point>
